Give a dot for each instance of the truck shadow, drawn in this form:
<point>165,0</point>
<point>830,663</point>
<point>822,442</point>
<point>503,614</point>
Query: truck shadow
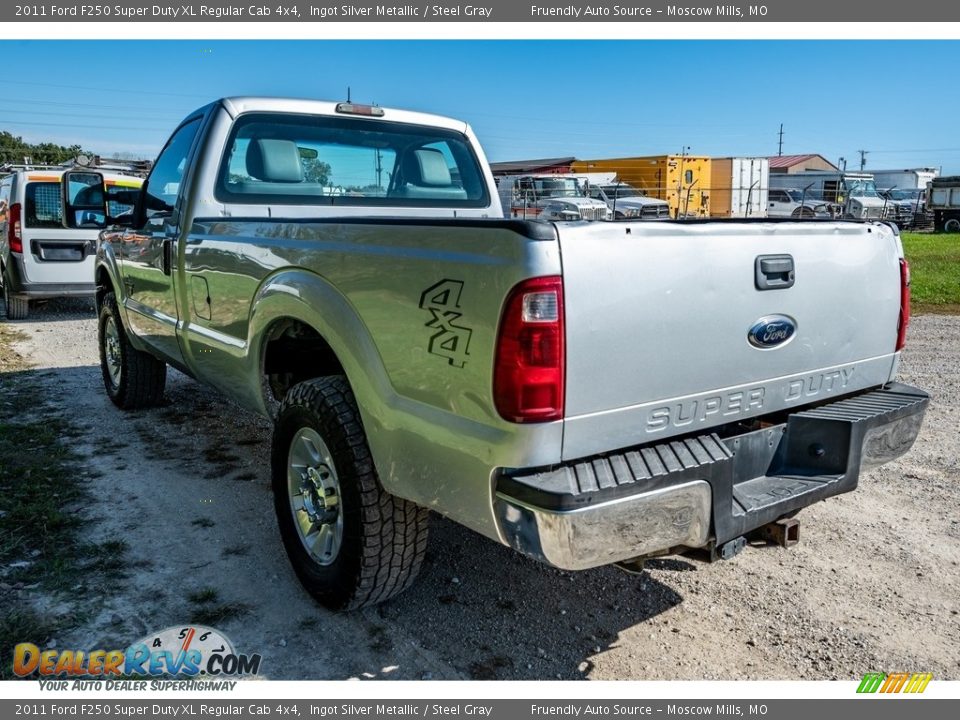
<point>499,615</point>
<point>55,310</point>
<point>478,610</point>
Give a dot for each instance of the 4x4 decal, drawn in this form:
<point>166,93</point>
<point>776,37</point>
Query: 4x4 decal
<point>450,341</point>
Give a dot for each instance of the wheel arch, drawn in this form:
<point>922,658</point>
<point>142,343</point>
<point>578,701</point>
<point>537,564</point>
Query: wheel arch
<point>296,313</point>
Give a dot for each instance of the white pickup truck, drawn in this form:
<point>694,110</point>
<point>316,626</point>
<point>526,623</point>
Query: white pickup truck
<point>586,393</point>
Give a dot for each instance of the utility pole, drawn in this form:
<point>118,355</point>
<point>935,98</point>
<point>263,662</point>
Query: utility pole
<point>684,149</point>
<point>863,158</point>
<point>780,145</point>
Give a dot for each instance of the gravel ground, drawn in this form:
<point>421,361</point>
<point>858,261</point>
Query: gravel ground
<point>872,585</point>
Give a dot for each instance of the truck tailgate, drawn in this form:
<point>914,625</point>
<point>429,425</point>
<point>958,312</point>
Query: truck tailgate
<point>658,318</point>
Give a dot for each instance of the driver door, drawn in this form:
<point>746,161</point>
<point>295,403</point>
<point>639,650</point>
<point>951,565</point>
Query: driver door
<point>149,252</point>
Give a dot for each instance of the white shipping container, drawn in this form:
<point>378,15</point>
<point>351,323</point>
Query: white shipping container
<point>909,179</point>
<point>739,187</point>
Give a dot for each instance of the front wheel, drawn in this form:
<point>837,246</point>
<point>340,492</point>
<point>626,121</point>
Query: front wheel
<point>132,378</point>
<point>952,225</point>
<point>351,543</point>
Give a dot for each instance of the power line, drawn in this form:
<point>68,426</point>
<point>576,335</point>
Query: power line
<point>82,114</point>
<point>885,152</point>
<point>126,107</point>
<point>105,90</point>
<point>80,125</point>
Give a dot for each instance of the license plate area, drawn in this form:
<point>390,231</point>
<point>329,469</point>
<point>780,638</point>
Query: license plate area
<point>60,250</point>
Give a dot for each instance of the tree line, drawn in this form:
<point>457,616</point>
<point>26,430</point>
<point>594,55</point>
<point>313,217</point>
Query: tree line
<point>14,149</point>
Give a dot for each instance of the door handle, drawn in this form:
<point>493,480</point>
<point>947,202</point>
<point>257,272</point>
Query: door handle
<point>774,272</point>
<point>166,258</point>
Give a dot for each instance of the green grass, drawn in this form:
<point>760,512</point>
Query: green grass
<point>208,610</point>
<point>935,271</point>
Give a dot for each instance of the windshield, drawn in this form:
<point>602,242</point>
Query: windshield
<point>557,187</point>
<point>620,191</point>
<point>797,195</point>
<point>862,188</point>
<point>903,194</point>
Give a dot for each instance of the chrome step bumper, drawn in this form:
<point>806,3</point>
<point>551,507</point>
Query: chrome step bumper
<point>685,493</point>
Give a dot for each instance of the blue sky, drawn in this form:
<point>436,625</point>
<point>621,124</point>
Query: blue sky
<point>525,99</point>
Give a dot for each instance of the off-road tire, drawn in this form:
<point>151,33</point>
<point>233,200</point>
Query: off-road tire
<point>384,537</point>
<point>142,376</point>
<point>16,308</point>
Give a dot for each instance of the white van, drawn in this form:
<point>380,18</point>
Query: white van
<point>39,257</point>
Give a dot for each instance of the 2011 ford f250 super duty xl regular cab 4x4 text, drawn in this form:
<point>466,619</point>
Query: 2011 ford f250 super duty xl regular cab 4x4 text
<point>586,393</point>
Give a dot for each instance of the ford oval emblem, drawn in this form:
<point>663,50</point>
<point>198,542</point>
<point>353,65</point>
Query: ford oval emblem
<point>772,331</point>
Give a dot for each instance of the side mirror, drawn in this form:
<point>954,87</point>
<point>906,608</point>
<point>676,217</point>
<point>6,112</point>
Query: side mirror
<point>119,198</point>
<point>84,199</point>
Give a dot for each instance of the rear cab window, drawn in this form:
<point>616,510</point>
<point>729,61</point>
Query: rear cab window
<point>280,158</point>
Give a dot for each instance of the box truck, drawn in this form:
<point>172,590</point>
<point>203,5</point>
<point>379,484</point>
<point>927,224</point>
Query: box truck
<point>682,180</point>
<point>943,199</point>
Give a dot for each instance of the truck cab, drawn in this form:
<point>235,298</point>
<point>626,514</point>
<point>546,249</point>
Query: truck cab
<point>626,202</point>
<point>549,197</point>
<point>791,203</point>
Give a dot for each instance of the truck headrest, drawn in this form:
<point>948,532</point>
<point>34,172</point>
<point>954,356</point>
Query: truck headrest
<point>426,167</point>
<point>274,161</point>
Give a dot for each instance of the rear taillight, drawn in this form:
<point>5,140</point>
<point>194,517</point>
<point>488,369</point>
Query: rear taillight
<point>14,235</point>
<point>529,370</point>
<point>904,320</point>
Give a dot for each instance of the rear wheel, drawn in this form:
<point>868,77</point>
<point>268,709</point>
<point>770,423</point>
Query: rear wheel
<point>132,378</point>
<point>16,308</point>
<point>952,225</point>
<point>351,543</point>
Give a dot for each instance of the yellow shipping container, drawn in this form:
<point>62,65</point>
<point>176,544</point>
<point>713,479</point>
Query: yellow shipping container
<point>682,180</point>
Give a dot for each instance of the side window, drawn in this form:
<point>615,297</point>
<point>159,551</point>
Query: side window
<point>42,205</point>
<point>4,200</point>
<point>596,194</point>
<point>163,185</point>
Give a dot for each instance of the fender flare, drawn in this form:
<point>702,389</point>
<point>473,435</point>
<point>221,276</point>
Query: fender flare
<point>296,294</point>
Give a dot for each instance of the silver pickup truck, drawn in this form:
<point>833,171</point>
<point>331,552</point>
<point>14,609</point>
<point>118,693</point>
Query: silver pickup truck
<point>586,393</point>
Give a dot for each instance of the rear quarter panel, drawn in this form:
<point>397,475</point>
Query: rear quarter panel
<point>411,310</point>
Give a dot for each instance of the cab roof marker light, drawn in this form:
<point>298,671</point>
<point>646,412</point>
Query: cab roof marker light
<point>354,109</point>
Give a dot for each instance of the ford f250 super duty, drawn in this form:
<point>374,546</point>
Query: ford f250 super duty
<point>586,393</point>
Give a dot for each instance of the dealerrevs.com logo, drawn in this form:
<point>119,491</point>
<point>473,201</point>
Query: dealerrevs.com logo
<point>186,652</point>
